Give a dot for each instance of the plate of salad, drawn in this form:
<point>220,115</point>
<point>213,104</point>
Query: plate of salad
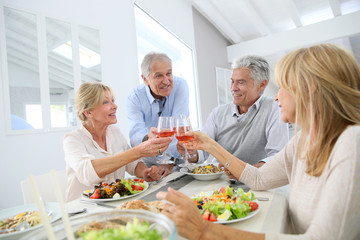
<point>118,190</point>
<point>227,205</point>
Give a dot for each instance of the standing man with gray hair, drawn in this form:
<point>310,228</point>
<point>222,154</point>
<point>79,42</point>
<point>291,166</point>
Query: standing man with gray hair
<point>251,127</point>
<point>161,94</point>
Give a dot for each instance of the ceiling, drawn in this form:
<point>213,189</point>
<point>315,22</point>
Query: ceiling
<point>244,20</point>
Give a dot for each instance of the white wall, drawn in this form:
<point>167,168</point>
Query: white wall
<point>22,155</point>
<point>211,53</point>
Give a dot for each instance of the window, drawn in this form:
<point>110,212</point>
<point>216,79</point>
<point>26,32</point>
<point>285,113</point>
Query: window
<point>223,79</point>
<point>46,59</point>
<point>152,36</point>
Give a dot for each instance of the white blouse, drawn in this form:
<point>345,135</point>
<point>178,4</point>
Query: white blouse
<point>324,207</point>
<point>80,149</point>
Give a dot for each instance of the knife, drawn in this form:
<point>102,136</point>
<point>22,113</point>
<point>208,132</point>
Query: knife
<point>97,203</point>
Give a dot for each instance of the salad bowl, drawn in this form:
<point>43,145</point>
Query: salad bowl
<point>136,222</point>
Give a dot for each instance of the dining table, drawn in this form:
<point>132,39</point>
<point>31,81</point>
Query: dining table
<point>271,217</point>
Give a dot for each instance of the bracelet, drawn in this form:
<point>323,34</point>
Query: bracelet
<point>227,165</point>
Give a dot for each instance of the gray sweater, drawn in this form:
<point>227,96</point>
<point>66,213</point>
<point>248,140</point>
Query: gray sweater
<point>260,133</point>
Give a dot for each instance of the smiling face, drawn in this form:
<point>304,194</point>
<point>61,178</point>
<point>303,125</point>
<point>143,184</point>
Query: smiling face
<point>160,79</point>
<point>243,88</point>
<point>105,112</point>
<point>287,104</point>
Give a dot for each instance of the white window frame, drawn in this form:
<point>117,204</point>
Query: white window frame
<point>43,72</point>
<point>223,76</point>
<point>194,121</point>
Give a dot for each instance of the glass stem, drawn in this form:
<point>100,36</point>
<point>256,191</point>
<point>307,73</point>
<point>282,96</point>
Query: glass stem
<point>186,155</point>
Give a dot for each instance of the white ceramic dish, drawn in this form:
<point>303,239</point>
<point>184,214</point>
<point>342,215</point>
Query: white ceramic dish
<point>114,199</point>
<point>250,214</point>
<point>201,177</point>
<point>13,211</point>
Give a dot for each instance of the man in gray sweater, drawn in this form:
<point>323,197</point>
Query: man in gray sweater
<point>251,127</point>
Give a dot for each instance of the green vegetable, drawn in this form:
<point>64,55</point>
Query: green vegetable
<point>132,231</point>
<point>240,192</point>
<point>239,210</point>
<point>230,191</point>
<point>253,196</point>
<point>128,183</point>
<point>217,208</point>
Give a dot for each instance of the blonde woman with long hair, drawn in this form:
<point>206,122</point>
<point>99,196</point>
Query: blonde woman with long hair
<point>98,151</point>
<point>320,92</point>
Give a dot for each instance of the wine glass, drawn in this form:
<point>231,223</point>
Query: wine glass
<point>182,126</point>
<point>165,128</point>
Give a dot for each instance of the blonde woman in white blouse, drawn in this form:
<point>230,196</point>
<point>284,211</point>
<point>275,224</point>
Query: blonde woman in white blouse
<point>98,152</point>
<point>320,92</point>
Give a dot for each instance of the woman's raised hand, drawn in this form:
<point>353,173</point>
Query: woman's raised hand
<point>200,141</point>
<point>154,146</point>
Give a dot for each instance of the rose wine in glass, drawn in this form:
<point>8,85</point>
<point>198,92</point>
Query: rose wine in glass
<point>183,125</point>
<point>165,128</point>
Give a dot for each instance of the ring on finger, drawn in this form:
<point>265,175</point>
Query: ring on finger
<point>159,151</point>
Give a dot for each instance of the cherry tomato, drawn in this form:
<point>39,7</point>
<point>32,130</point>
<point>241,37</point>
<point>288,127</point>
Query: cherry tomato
<point>206,215</point>
<point>213,217</point>
<point>139,180</point>
<point>137,188</point>
<point>96,194</point>
<point>253,205</point>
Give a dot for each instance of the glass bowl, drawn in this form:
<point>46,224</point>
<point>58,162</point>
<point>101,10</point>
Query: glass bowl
<point>163,225</point>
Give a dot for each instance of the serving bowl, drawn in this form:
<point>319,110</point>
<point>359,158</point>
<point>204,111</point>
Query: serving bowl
<point>201,177</point>
<point>163,225</point>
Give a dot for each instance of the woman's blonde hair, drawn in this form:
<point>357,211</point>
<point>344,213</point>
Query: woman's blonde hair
<point>89,96</point>
<point>325,81</point>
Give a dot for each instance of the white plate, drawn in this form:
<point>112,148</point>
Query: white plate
<point>114,199</point>
<point>250,214</point>
<point>13,211</point>
<point>201,177</point>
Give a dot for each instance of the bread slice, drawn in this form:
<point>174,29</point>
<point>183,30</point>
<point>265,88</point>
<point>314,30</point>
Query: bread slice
<point>155,206</point>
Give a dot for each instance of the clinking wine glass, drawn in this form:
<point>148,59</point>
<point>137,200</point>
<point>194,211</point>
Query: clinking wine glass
<point>183,125</point>
<point>165,128</point>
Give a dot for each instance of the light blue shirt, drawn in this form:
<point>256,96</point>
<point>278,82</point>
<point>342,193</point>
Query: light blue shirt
<point>143,110</point>
<point>276,131</point>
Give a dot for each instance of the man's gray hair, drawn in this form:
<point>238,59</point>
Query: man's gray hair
<point>258,66</point>
<point>150,59</point>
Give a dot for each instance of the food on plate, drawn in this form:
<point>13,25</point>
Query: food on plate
<point>118,229</point>
<point>155,206</point>
<point>119,188</point>
<point>31,217</point>
<point>226,204</point>
<point>207,169</point>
